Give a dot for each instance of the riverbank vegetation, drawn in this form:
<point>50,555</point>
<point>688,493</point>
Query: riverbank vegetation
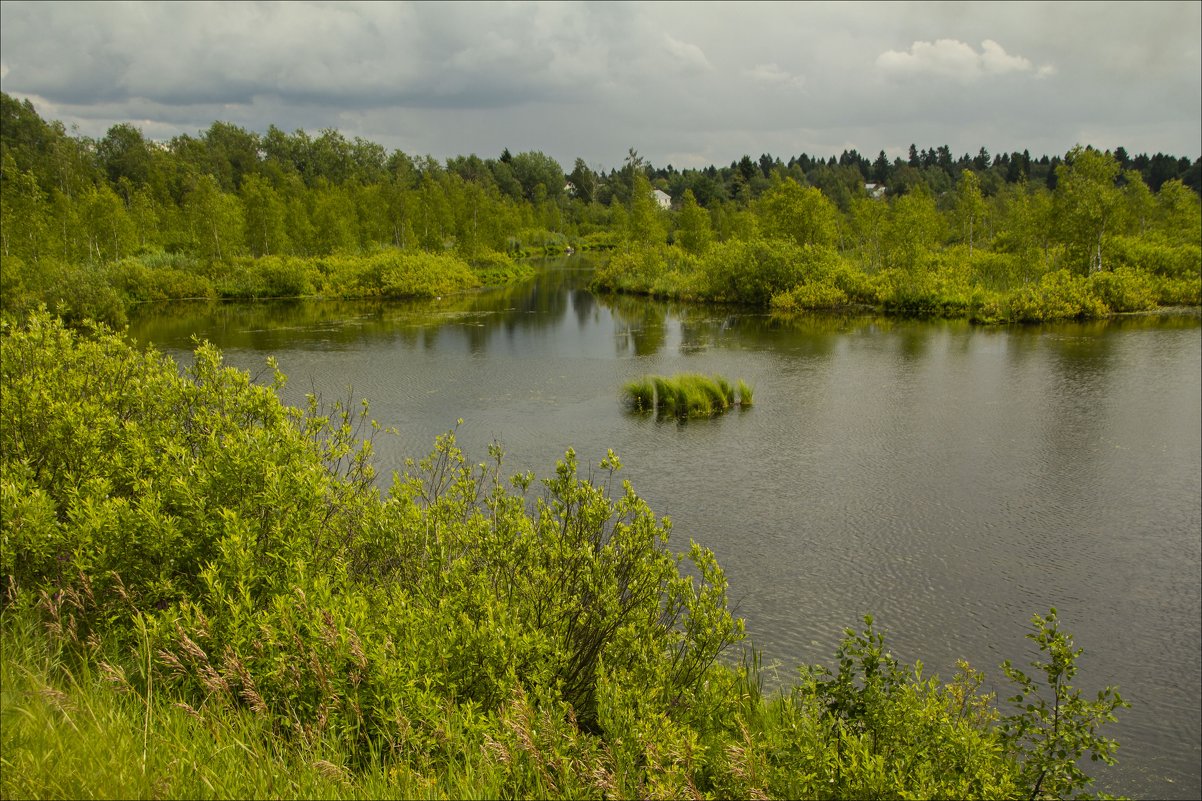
<point>91,227</point>
<point>1100,243</point>
<point>685,395</point>
<point>206,593</point>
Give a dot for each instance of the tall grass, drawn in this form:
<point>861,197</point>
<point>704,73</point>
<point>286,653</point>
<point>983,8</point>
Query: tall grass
<point>685,394</point>
<point>640,393</point>
<point>746,394</point>
<point>72,728</point>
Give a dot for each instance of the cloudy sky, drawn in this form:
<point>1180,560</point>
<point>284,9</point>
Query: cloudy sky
<point>689,84</point>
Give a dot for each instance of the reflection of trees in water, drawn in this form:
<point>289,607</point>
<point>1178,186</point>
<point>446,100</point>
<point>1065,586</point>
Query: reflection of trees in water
<point>640,325</point>
<point>584,303</point>
<point>541,303</point>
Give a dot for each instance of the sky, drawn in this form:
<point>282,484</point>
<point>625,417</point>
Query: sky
<point>686,84</point>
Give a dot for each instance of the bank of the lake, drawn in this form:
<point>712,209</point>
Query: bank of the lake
<point>187,562</point>
<point>947,478</point>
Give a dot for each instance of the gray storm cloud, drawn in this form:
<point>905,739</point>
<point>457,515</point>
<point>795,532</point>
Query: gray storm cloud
<point>700,82</point>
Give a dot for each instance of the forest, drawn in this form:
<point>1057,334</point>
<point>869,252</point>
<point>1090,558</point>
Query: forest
<point>91,227</point>
<point>205,592</point>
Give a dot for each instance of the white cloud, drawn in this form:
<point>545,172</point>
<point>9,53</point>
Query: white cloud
<point>773,74</point>
<point>951,58</point>
<point>996,60</point>
<point>686,54</point>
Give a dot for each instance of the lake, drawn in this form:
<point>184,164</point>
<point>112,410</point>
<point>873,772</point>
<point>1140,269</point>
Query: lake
<point>951,480</point>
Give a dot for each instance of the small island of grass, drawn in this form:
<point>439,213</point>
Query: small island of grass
<point>686,395</point>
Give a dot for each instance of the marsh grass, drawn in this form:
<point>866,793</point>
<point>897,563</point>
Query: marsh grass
<point>746,394</point>
<point>640,393</point>
<point>685,395</point>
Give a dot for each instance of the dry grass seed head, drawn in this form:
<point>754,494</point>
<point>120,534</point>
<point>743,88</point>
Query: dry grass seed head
<point>330,770</point>
<point>172,661</point>
<point>213,681</point>
<point>357,649</point>
<point>192,713</point>
<point>498,749</point>
<point>190,648</point>
<point>119,586</point>
<point>114,675</point>
<point>329,633</point>
<point>57,698</point>
<point>86,582</point>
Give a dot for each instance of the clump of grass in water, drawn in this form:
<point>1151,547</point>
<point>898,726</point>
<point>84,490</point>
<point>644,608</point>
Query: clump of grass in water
<point>640,393</point>
<point>746,394</point>
<point>685,394</point>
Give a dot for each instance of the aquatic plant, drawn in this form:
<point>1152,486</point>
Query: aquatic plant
<point>640,393</point>
<point>746,394</point>
<point>684,394</point>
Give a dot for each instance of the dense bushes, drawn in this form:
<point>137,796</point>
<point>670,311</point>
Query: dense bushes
<point>182,550</point>
<point>983,286</point>
<point>106,292</point>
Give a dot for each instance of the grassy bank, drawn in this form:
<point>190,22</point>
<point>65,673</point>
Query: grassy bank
<point>793,279</point>
<point>206,594</point>
<point>107,292</point>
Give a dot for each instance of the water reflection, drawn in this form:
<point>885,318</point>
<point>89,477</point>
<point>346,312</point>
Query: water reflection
<point>642,327</point>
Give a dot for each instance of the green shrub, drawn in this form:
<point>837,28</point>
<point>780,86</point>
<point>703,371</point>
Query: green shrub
<point>1179,291</point>
<point>1124,289</point>
<point>1149,255</point>
<point>493,268</point>
<point>139,283</point>
<point>805,297</point>
<point>659,270</point>
<point>752,271</point>
<point>1058,295</point>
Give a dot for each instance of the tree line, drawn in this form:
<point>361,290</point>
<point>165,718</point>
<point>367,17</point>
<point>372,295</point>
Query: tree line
<point>96,224</point>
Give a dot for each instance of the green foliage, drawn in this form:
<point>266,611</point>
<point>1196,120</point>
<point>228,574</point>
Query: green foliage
<point>645,225</point>
<point>745,394</point>
<point>1157,257</point>
<point>752,271</point>
<point>640,393</point>
<point>1086,205</point>
<point>1053,727</point>
<point>807,297</point>
<point>538,242</point>
<point>664,271</point>
<point>494,269</point>
<point>801,215</point>
<point>1124,289</point>
<point>693,230</point>
<point>241,207</point>
<point>1058,295</point>
<point>74,292</point>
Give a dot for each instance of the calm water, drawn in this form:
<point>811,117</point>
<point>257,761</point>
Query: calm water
<point>947,479</point>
